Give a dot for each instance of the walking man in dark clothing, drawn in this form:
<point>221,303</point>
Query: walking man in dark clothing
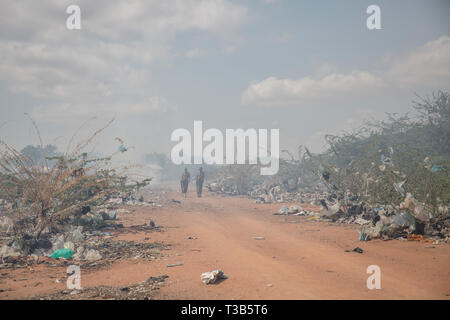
<point>199,181</point>
<point>185,178</point>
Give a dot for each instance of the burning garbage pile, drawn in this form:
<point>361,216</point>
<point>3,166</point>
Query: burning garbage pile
<point>387,222</point>
<point>235,180</point>
<point>410,220</point>
<point>389,177</point>
<point>296,181</point>
<point>83,236</point>
<point>53,208</point>
<point>281,188</point>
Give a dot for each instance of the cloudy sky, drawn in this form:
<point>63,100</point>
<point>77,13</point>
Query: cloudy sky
<point>305,67</point>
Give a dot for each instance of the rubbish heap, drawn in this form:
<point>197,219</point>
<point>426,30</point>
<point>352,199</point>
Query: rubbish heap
<point>383,221</point>
<point>83,236</point>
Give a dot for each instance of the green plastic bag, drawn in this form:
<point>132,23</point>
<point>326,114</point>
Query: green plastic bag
<point>62,253</point>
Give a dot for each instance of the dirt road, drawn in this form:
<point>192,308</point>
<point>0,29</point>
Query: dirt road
<point>297,259</point>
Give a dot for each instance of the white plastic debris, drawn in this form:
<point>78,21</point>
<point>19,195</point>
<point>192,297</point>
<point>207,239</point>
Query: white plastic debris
<point>174,265</point>
<point>294,209</point>
<point>332,210</point>
<point>93,255</point>
<point>399,187</point>
<point>6,251</point>
<point>212,276</point>
<point>404,219</point>
<point>69,245</point>
<point>284,210</point>
<point>416,208</point>
<point>114,201</point>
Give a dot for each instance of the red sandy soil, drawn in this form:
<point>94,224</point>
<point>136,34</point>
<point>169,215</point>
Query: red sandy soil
<point>298,258</point>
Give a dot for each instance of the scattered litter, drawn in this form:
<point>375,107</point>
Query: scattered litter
<point>436,168</point>
<point>69,245</point>
<point>357,249</point>
<point>283,210</point>
<point>212,276</point>
<point>62,253</point>
<point>258,238</point>
<point>363,236</point>
<point>93,255</point>
<point>76,236</point>
<point>111,215</point>
<point>7,251</point>
<point>174,265</point>
<point>399,187</point>
<point>381,219</point>
<point>331,210</point>
<point>158,279</point>
<point>415,237</point>
<point>404,219</point>
<point>139,291</point>
<point>294,209</point>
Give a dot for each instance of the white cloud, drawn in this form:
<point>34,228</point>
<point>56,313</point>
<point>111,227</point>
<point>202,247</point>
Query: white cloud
<point>194,53</point>
<point>427,66</point>
<point>280,92</point>
<point>105,66</point>
<point>73,111</point>
<point>158,20</point>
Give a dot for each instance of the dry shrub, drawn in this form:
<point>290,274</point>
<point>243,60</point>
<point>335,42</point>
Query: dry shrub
<point>411,151</point>
<point>40,197</point>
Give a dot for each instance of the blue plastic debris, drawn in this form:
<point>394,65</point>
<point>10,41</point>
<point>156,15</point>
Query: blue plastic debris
<point>436,168</point>
<point>363,236</point>
<point>62,253</point>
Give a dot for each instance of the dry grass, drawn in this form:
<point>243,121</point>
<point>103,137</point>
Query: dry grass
<point>39,197</point>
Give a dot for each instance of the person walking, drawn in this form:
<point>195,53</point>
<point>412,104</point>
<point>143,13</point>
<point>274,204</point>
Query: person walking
<point>199,181</point>
<point>185,178</point>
